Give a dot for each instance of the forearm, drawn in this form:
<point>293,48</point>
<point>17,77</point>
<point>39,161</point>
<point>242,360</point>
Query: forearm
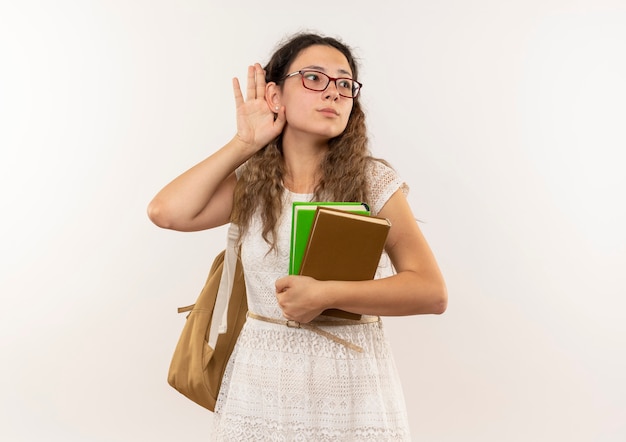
<point>181,203</point>
<point>403,294</point>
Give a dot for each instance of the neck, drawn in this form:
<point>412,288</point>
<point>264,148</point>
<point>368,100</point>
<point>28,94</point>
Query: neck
<point>300,184</point>
<point>303,157</point>
<point>302,171</point>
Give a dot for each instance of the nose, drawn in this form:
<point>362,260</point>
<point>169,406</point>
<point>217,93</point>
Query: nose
<point>331,90</point>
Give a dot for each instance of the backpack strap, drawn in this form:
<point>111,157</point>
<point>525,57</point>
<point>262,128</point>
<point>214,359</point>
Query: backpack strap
<point>219,321</point>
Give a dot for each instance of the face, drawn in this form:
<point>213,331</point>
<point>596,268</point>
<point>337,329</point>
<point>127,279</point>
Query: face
<point>321,114</point>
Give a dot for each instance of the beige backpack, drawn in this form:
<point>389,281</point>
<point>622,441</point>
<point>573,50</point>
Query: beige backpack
<point>211,330</point>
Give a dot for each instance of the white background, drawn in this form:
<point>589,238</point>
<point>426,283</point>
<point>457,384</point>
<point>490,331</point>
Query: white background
<point>506,118</point>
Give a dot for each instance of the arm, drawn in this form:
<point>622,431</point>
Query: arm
<point>417,288</point>
<point>202,197</point>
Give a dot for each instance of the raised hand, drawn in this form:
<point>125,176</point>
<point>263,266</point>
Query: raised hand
<point>256,124</point>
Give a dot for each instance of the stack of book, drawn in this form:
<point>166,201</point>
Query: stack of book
<point>338,242</point>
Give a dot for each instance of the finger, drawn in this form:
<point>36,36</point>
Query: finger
<point>281,284</point>
<point>287,317</point>
<point>260,80</point>
<point>280,120</point>
<point>251,86</point>
<point>237,92</point>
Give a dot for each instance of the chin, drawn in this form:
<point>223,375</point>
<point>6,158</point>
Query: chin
<point>323,131</point>
<point>332,132</point>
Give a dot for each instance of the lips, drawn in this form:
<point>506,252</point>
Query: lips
<point>329,110</point>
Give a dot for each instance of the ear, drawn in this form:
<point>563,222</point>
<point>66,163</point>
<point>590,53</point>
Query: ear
<point>273,96</point>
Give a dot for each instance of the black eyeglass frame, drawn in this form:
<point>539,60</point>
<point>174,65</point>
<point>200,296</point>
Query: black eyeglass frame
<point>301,72</point>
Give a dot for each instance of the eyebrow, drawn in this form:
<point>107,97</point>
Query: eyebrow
<point>320,68</point>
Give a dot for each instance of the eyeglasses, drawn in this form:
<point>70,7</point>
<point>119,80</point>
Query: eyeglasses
<point>319,81</point>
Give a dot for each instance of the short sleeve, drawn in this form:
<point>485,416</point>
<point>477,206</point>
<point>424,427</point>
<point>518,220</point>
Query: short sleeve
<point>384,182</point>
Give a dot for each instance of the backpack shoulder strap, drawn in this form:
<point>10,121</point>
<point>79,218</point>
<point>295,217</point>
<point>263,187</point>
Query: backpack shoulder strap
<point>219,322</point>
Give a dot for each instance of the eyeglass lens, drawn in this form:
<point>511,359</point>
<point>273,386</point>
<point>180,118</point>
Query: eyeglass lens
<point>318,81</point>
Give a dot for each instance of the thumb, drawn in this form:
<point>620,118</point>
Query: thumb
<point>280,120</point>
<point>282,284</point>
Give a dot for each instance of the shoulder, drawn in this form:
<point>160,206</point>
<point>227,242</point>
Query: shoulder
<point>383,181</point>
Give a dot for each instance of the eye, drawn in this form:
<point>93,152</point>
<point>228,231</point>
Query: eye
<point>345,83</point>
<point>311,76</point>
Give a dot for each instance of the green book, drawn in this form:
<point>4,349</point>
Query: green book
<point>303,214</point>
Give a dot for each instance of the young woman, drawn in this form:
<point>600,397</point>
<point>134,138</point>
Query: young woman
<point>301,136</point>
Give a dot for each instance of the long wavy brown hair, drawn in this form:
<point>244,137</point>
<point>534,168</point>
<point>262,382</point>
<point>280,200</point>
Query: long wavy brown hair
<point>343,170</point>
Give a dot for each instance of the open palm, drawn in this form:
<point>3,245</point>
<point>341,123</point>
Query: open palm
<point>256,122</point>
